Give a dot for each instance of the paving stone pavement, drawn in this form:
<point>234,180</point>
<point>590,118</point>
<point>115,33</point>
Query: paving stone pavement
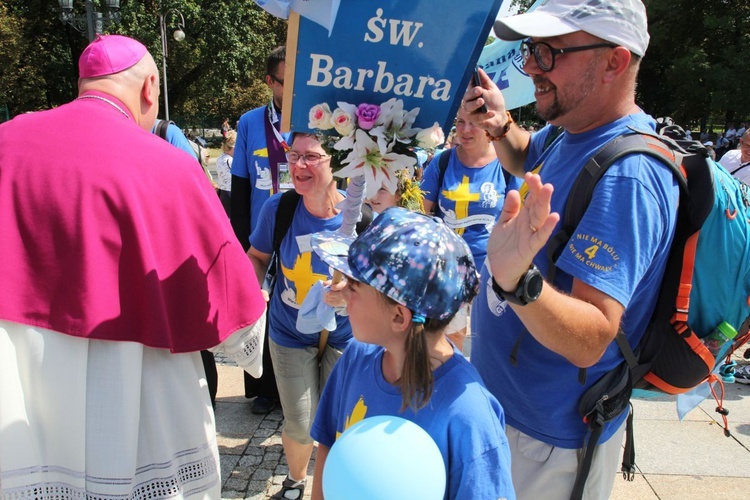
<point>252,460</point>
<point>676,460</point>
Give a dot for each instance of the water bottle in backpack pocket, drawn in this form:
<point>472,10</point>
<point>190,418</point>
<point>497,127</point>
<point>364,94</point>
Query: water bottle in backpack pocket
<point>718,341</point>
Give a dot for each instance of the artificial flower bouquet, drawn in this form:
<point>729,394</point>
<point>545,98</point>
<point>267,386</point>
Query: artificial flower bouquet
<point>372,141</point>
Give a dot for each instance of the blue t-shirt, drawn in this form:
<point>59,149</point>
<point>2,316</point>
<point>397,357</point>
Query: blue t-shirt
<point>300,269</point>
<point>465,421</point>
<point>176,138</point>
<point>620,247</point>
<point>251,159</point>
<point>470,199</point>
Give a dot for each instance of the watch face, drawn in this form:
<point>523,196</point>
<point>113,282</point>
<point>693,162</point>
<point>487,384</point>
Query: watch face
<point>534,285</point>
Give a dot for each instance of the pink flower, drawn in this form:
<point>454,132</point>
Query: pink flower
<point>320,117</point>
<point>430,138</point>
<point>342,121</point>
<point>367,114</point>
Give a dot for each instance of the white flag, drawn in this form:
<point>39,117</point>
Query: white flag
<point>322,12</point>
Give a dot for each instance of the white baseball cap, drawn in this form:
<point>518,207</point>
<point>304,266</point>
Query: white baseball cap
<point>622,22</point>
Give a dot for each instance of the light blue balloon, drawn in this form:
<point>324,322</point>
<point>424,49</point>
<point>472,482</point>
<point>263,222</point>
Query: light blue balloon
<point>384,457</point>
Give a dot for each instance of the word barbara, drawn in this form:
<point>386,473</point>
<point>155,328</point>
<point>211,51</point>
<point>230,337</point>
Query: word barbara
<point>324,74</point>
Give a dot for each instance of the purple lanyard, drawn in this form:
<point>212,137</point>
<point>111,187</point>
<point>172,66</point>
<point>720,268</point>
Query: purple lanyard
<point>276,146</point>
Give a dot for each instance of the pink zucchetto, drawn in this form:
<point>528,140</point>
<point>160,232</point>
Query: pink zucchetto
<point>109,54</point>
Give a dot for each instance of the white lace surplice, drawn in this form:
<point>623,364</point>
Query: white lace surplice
<point>99,419</point>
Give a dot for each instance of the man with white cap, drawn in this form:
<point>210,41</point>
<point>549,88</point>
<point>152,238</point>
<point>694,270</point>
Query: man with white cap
<point>110,286</point>
<point>533,337</point>
<point>737,161</point>
<point>710,148</point>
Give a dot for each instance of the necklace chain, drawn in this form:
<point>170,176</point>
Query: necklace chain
<point>99,98</point>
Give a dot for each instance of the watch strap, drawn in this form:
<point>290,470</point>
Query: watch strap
<point>508,296</point>
<point>519,295</point>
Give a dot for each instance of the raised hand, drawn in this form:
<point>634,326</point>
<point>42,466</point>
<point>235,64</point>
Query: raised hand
<point>521,231</point>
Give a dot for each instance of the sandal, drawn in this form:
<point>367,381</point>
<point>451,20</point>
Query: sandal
<point>291,490</point>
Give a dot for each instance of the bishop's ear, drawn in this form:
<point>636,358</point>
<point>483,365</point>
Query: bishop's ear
<point>150,90</point>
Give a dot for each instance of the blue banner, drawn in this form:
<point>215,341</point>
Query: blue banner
<point>419,51</point>
<point>502,62</point>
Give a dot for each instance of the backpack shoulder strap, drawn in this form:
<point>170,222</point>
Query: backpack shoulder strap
<point>442,165</point>
<point>595,168</point>
<point>739,168</point>
<point>580,195</point>
<point>557,132</point>
<point>284,215</point>
<point>443,160</point>
<point>161,128</point>
<point>201,156</point>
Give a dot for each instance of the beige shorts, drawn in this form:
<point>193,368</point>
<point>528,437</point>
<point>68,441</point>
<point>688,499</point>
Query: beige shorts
<point>300,377</point>
<point>541,470</point>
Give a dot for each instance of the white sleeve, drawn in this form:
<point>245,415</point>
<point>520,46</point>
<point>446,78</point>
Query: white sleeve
<point>245,347</point>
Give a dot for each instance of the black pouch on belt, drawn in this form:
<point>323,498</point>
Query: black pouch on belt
<point>601,402</point>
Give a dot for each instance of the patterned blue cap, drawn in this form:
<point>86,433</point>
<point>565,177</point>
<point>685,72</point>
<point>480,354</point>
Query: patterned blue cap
<point>412,258</point>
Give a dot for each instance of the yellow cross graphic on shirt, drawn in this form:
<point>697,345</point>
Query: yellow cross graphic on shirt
<point>523,191</point>
<point>359,412</point>
<point>462,196</point>
<point>302,275</point>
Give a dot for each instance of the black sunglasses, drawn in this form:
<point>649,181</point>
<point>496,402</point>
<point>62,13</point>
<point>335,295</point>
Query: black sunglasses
<point>544,53</point>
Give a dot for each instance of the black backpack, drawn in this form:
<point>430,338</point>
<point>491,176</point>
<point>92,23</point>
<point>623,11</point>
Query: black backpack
<point>670,357</point>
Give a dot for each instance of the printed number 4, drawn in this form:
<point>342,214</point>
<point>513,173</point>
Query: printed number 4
<point>591,251</point>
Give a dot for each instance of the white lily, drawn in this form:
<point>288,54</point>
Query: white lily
<point>345,143</point>
<point>367,159</point>
<point>394,124</point>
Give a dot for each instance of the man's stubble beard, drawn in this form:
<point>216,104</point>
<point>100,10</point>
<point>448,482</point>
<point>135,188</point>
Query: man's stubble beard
<point>567,101</point>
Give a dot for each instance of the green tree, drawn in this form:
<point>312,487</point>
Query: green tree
<point>698,61</point>
<point>216,72</point>
<point>34,61</point>
<point>696,68</point>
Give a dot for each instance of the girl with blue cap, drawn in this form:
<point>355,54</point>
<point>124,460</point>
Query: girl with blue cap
<point>407,275</point>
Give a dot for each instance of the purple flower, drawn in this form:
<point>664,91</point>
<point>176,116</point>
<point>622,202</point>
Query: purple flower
<point>367,114</point>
